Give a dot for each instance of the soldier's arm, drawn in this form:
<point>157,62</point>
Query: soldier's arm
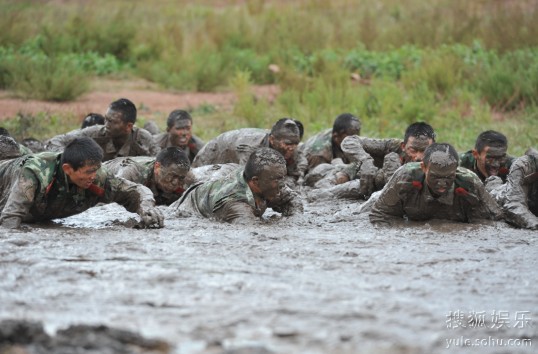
<point>288,203</point>
<point>389,205</point>
<point>488,207</point>
<point>59,142</point>
<point>352,148</point>
<point>380,147</point>
<point>147,144</point>
<point>134,197</point>
<point>20,200</point>
<point>516,206</point>
<point>236,212</point>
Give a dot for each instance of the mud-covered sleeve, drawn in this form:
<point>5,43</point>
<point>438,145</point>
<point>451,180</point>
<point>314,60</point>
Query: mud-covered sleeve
<point>59,142</point>
<point>487,205</point>
<point>516,206</point>
<point>236,212</point>
<point>380,147</point>
<point>389,204</point>
<point>132,196</point>
<point>288,203</point>
<point>20,200</point>
<point>147,144</point>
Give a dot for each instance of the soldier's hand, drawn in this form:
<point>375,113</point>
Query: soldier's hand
<point>151,217</point>
<point>367,172</point>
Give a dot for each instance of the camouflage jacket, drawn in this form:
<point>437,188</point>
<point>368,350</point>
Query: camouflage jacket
<point>407,195</point>
<point>519,195</point>
<point>230,199</point>
<point>320,149</point>
<point>191,150</point>
<point>139,143</point>
<point>139,169</point>
<point>35,188</point>
<point>235,146</point>
<point>468,161</point>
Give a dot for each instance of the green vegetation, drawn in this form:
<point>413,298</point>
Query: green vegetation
<point>463,66</point>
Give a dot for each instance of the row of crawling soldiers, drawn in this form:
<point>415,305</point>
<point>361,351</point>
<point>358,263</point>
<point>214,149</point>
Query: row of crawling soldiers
<point>239,174</point>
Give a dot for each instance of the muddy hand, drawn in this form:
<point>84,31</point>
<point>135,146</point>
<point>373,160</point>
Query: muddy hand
<point>151,217</point>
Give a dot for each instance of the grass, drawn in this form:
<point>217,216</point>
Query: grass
<point>462,66</point>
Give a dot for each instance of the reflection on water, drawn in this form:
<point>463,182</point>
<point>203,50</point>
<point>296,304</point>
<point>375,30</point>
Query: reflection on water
<point>323,282</point>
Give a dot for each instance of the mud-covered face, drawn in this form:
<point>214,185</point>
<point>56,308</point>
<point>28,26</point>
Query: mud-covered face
<point>115,126</point>
<point>84,176</point>
<point>181,133</point>
<point>171,178</point>
<point>285,144</point>
<point>440,177</point>
<point>490,160</point>
<point>414,148</point>
<point>271,181</point>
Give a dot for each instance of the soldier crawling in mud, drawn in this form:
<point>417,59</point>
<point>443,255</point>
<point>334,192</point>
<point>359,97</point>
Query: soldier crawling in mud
<point>167,175</point>
<point>519,195</point>
<point>236,146</point>
<point>9,145</point>
<point>488,158</point>
<point>118,137</point>
<point>244,195</point>
<point>179,134</point>
<point>435,188</point>
<point>50,185</point>
<point>388,153</point>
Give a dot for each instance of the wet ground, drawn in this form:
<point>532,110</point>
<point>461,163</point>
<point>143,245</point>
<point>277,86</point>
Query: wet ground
<point>325,282</point>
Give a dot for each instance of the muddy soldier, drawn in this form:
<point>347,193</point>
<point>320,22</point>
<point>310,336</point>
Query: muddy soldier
<point>118,137</point>
<point>435,188</point>
<point>388,153</point>
<point>519,195</point>
<point>488,158</point>
<point>235,146</point>
<point>50,185</point>
<point>179,134</point>
<point>244,195</point>
<point>167,175</point>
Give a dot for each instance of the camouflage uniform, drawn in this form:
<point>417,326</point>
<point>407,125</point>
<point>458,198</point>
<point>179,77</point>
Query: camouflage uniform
<point>139,143</point>
<point>468,161</point>
<point>230,199</point>
<point>35,188</point>
<point>235,146</point>
<point>191,150</point>
<point>139,169</point>
<point>407,195</point>
<point>519,195</point>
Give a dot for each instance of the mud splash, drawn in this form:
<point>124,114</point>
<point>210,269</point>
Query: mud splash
<point>323,282</point>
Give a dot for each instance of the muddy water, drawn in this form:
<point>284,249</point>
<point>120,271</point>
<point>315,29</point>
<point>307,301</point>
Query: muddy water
<point>324,282</point>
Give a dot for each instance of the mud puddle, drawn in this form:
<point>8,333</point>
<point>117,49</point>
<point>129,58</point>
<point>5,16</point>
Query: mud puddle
<point>324,282</point>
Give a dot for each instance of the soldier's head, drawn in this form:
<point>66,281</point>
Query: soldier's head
<point>92,119</point>
<point>285,137</point>
<point>439,165</point>
<point>172,170</point>
<point>80,161</point>
<point>490,152</point>
<point>345,124</point>
<point>4,132</point>
<point>9,148</point>
<point>120,118</point>
<point>265,172</point>
<point>33,144</point>
<point>301,128</point>
<point>418,136</point>
<point>179,127</point>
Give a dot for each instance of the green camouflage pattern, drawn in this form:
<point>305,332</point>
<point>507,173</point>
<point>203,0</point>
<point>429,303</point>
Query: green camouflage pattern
<point>468,161</point>
<point>35,188</point>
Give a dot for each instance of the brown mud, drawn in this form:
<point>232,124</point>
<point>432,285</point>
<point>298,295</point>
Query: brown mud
<point>323,282</point>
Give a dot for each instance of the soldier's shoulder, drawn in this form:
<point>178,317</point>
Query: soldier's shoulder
<point>319,141</point>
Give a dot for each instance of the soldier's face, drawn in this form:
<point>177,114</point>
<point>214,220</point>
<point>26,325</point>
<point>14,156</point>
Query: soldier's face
<point>181,133</point>
<point>84,176</point>
<point>115,126</point>
<point>172,178</point>
<point>414,148</point>
<point>271,181</point>
<point>490,160</point>
<point>439,177</point>
<point>286,144</point>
